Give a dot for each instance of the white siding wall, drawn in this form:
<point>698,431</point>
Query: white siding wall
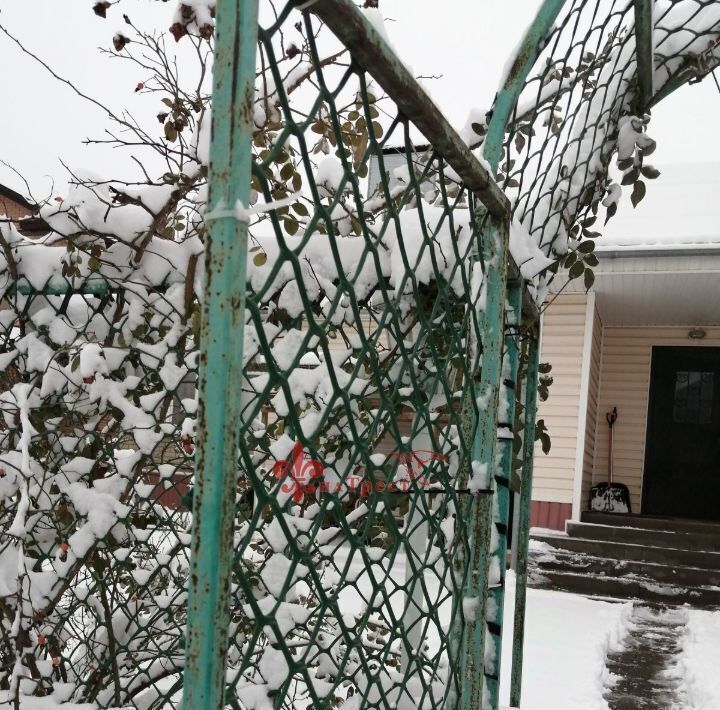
<point>563,333</point>
<point>592,411</point>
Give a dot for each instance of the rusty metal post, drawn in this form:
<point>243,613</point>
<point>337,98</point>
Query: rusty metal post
<point>524,60</point>
<point>221,360</point>
<point>644,50</point>
<point>531,386</point>
<point>501,517</point>
<point>494,251</point>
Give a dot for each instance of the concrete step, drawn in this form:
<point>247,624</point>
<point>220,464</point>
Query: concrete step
<point>700,541</point>
<point>625,588</point>
<point>579,563</point>
<point>651,522</point>
<point>630,551</point>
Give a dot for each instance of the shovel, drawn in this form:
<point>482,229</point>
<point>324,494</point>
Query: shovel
<point>610,497</point>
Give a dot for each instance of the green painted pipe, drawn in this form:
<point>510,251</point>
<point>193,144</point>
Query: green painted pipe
<point>221,338</point>
<point>525,58</point>
<point>494,251</point>
<point>531,387</point>
<point>502,486</point>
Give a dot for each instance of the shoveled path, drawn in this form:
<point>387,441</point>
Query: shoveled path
<point>644,668</point>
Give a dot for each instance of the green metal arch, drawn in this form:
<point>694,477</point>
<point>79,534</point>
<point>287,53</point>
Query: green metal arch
<point>527,54</point>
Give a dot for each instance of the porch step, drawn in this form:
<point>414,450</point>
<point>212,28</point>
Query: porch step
<point>626,588</point>
<point>632,551</point>
<point>680,565</point>
<point>578,563</point>
<point>651,522</point>
<point>685,540</point>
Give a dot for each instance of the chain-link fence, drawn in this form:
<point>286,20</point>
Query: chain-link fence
<point>97,400</point>
<point>369,368</point>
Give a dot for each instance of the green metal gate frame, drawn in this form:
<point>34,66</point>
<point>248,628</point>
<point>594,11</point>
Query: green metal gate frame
<point>508,304</point>
<point>221,363</point>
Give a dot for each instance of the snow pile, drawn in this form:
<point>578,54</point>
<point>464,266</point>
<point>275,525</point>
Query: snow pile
<point>699,661</point>
<point>566,640</point>
<point>526,252</point>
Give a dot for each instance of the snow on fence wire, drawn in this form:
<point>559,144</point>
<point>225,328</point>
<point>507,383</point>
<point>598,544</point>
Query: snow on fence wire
<point>369,315</point>
<point>579,130</point>
<point>359,556</point>
<point>359,399</point>
<point>97,398</point>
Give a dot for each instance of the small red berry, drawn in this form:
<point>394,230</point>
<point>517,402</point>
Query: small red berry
<point>139,86</point>
<point>89,380</point>
<point>2,473</point>
<point>41,639</point>
<point>187,445</point>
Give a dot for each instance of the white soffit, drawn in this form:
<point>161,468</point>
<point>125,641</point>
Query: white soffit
<point>660,262</point>
<point>657,290</point>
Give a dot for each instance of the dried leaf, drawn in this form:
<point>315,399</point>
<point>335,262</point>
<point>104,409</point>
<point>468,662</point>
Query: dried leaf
<point>288,170</point>
<point>119,41</point>
<point>630,177</point>
<point>589,278</point>
<point>611,210</point>
<point>100,8</point>
<point>291,225</point>
<point>638,193</point>
<point>576,270</point>
<point>170,131</point>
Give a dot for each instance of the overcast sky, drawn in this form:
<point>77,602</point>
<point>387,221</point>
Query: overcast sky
<point>465,41</point>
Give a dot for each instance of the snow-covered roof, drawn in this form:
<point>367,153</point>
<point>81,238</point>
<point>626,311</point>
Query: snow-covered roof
<point>681,210</point>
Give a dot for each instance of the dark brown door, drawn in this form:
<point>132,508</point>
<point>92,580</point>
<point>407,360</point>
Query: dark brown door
<point>682,453</point>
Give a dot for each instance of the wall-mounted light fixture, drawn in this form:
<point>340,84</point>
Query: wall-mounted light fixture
<point>696,334</point>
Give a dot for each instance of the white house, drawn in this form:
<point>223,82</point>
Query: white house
<point>646,340</point>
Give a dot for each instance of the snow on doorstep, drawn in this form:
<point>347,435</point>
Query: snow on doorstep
<point>699,661</point>
<point>566,639</point>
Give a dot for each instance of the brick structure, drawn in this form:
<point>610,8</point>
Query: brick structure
<point>22,212</point>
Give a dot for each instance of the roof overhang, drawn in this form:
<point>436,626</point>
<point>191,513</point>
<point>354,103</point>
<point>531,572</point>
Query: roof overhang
<point>679,286</point>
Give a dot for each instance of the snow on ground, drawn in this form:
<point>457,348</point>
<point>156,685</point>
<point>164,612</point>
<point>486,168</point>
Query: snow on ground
<point>566,639</point>
<point>699,661</point>
<point>566,636</point>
